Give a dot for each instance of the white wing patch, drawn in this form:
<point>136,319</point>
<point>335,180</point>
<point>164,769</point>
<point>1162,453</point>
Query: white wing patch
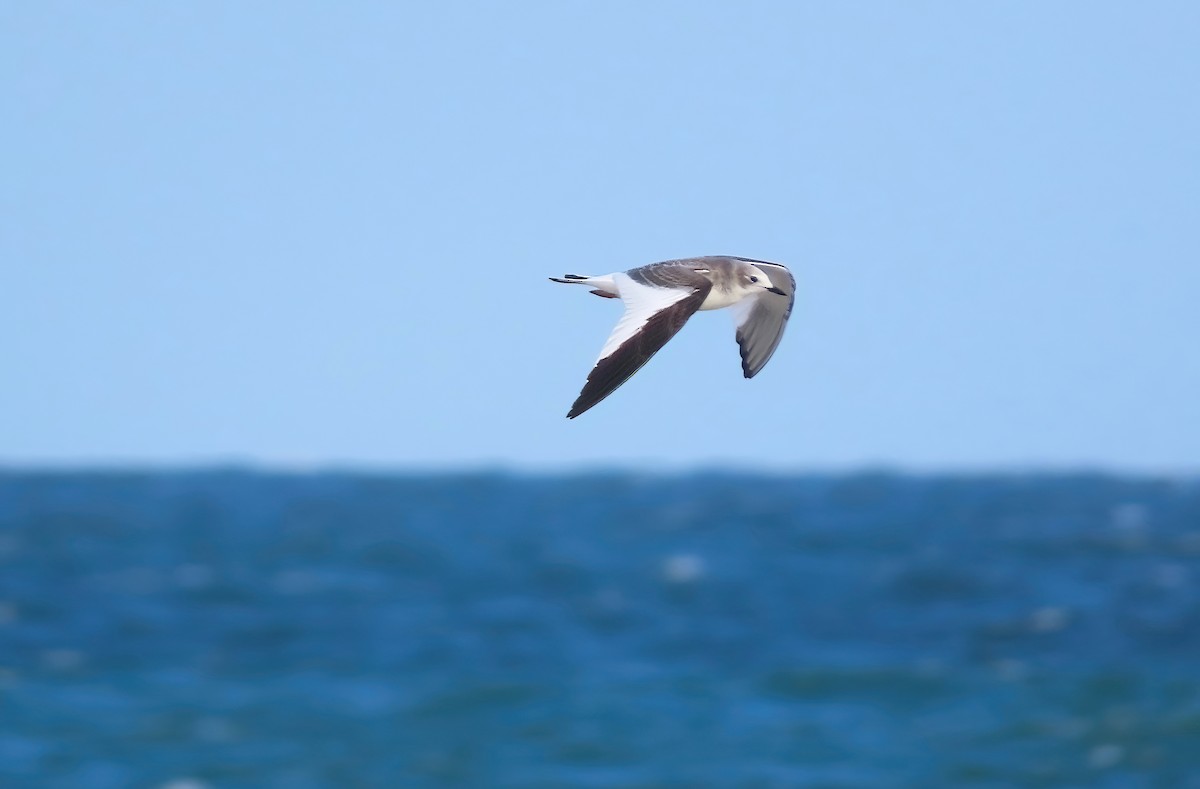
<point>642,302</point>
<point>743,309</point>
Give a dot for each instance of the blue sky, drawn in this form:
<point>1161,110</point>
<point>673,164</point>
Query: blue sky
<point>298,234</point>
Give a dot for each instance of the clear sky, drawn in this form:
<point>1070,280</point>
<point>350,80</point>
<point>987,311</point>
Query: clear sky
<point>316,233</point>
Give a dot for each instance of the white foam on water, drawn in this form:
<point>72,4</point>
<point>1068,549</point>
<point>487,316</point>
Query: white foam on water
<point>1105,756</point>
<point>185,783</point>
<point>193,576</point>
<point>63,659</point>
<point>1049,619</point>
<point>1130,516</point>
<point>683,568</point>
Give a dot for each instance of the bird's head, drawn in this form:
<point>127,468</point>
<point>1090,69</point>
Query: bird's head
<point>754,277</point>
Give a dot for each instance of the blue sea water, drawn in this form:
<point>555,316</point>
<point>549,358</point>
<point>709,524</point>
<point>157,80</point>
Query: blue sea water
<point>229,629</point>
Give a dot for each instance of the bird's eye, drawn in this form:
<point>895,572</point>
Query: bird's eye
<point>754,279</point>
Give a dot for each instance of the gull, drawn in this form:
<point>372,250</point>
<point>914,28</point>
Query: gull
<point>659,299</point>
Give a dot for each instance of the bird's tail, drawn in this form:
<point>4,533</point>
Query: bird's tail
<point>571,279</point>
<point>605,286</point>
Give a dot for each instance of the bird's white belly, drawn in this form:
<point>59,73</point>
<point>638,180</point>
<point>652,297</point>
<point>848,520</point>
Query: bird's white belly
<point>718,298</point>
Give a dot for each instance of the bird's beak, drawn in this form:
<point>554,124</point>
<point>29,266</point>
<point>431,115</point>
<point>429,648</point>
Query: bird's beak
<point>776,290</point>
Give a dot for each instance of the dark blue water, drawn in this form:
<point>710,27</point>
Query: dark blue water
<point>244,630</point>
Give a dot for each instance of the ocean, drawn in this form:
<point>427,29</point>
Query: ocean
<point>225,629</point>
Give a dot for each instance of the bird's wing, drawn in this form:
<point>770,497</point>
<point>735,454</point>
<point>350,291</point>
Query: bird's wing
<point>653,314</point>
<point>760,320</point>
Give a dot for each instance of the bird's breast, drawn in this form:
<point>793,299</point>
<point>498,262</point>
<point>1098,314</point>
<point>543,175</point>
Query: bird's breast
<point>721,297</point>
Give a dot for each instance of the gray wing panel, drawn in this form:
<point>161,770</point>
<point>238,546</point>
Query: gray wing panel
<point>761,321</point>
<point>672,274</point>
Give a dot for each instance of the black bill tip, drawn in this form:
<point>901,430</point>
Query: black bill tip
<point>776,290</point>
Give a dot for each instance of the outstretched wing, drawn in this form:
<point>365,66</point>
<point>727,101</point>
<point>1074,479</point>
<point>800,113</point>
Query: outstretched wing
<point>761,320</point>
<point>653,315</point>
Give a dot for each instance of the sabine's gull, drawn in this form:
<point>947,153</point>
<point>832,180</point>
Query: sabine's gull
<point>659,299</point>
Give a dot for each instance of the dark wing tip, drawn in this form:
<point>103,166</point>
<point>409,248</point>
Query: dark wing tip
<point>747,370</point>
<point>594,391</point>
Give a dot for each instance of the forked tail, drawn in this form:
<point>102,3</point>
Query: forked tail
<point>602,286</point>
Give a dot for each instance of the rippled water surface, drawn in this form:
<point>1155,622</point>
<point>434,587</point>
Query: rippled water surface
<point>204,630</point>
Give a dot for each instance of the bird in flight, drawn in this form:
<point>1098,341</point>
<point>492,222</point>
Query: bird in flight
<point>659,299</point>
